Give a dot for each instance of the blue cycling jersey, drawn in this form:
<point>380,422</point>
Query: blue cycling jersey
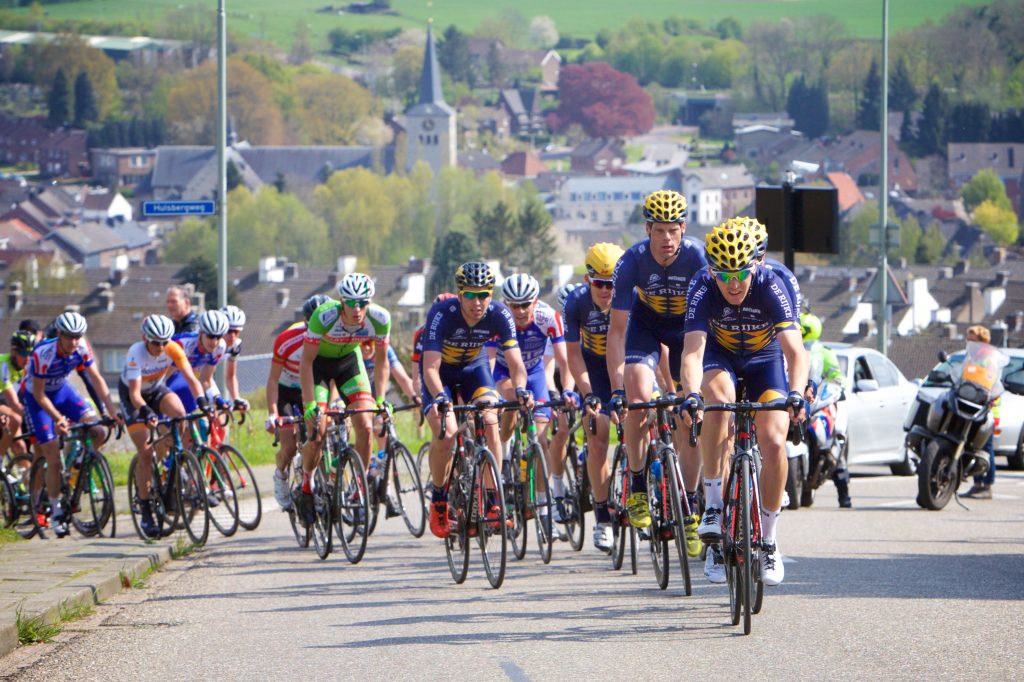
<point>46,364</point>
<point>749,328</point>
<point>533,338</point>
<point>197,357</point>
<point>585,323</point>
<point>459,344</point>
<point>660,291</point>
<point>788,279</point>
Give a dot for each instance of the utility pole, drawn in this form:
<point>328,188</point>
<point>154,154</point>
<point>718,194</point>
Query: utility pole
<point>882,319</point>
<point>222,169</point>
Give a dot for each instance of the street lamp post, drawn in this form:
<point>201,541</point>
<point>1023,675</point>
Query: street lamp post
<point>882,319</point>
<point>222,171</point>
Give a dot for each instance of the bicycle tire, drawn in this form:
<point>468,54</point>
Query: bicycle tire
<point>460,499</point>
<point>659,529</point>
<point>491,533</point>
<point>634,550</point>
<point>190,494</point>
<point>745,544</point>
<point>19,472</point>
<point>110,481</point>
<point>408,490</point>
<point>250,506</point>
<point>303,534</point>
<point>542,510</point>
<point>423,462</point>
<point>351,505</point>
<point>94,514</point>
<point>8,502</point>
<point>678,519</point>
<point>616,501</point>
<point>221,499</point>
<point>515,504</point>
<point>323,503</point>
<point>573,501</point>
<point>40,503</point>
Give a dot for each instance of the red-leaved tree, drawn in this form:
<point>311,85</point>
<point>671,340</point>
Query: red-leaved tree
<point>605,102</point>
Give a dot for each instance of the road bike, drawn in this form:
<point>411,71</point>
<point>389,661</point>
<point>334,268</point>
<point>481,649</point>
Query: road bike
<point>349,496</point>
<point>398,485</point>
<point>527,494</point>
<point>250,504</point>
<point>578,500</point>
<point>623,532</point>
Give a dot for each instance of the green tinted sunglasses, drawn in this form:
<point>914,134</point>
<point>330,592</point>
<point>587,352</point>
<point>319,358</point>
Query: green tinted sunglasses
<point>480,295</point>
<point>356,303</point>
<point>726,277</point>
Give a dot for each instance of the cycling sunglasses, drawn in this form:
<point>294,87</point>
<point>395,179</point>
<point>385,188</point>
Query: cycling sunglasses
<point>726,277</point>
<point>356,303</point>
<point>601,283</point>
<point>157,343</point>
<point>75,337</point>
<point>520,306</point>
<point>479,295</point>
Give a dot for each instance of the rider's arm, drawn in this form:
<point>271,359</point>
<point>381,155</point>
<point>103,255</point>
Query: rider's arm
<point>39,393</point>
<point>693,361</point>
<point>93,372</point>
<point>207,382</point>
<point>665,372</point>
<point>516,368</point>
<point>616,354</point>
<point>403,380</point>
<point>10,398</point>
<point>177,354</point>
<point>272,378</point>
<point>796,358</point>
<point>432,372</point>
<point>135,392</point>
<point>309,353</point>
<point>231,378</point>
<point>381,369</point>
<point>562,360</point>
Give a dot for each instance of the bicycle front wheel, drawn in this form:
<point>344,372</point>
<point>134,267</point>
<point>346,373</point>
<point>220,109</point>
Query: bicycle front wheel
<point>515,501</point>
<point>456,543</point>
<point>250,505</point>
<point>677,518</point>
<point>302,533</point>
<point>8,503</point>
<point>19,471</point>
<point>40,500</point>
<point>92,500</point>
<point>543,510</point>
<point>659,529</point>
<point>573,501</point>
<point>746,558</point>
<point>351,505</point>
<point>190,494</point>
<point>406,491</point>
<point>491,520</point>
<point>220,493</point>
<point>323,501</point>
<point>619,490</point>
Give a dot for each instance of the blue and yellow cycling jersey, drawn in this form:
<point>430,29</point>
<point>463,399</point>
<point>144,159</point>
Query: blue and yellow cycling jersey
<point>448,333</point>
<point>585,323</point>
<point>790,281</point>
<point>660,292</point>
<point>749,328</point>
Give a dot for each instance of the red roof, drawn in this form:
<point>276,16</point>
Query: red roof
<point>849,194</point>
<point>523,164</point>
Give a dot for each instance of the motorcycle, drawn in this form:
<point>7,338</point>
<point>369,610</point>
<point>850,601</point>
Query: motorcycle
<point>813,461</point>
<point>948,431</point>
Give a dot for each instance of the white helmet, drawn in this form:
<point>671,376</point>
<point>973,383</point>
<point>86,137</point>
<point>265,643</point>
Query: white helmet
<point>563,293</point>
<point>355,287</point>
<point>157,328</point>
<point>213,323</point>
<point>71,323</point>
<point>236,317</point>
<point>520,288</point>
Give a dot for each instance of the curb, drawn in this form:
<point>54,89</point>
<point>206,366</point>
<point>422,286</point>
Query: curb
<point>91,589</point>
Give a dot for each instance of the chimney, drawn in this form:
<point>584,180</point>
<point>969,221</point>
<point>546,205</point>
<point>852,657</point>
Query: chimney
<point>282,296</point>
<point>106,295</point>
<point>999,335</point>
<point>962,268</point>
<point>866,328</point>
<point>291,270</point>
<point>14,297</point>
<point>851,283</point>
<point>951,332</point>
<point>999,255</point>
<point>1002,278</point>
<point>347,265</point>
<point>946,272</point>
<point>902,264</point>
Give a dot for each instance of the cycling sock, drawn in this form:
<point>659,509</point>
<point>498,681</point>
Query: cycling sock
<point>55,508</point>
<point>769,520</point>
<point>438,494</point>
<point>283,475</point>
<point>693,501</point>
<point>637,482</point>
<point>713,493</point>
<point>307,482</point>
<point>557,487</point>
<point>601,513</point>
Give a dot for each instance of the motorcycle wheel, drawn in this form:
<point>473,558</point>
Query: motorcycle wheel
<point>795,482</point>
<point>938,477</point>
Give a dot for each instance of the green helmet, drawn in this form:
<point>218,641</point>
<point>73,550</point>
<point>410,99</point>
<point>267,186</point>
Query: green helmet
<point>810,325</point>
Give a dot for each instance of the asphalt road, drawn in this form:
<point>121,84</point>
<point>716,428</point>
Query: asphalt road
<point>883,591</point>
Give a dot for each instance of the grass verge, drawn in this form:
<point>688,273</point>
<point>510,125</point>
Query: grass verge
<point>8,535</point>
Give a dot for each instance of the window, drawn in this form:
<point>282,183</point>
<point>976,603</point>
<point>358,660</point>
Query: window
<point>113,361</point>
<point>602,196</point>
<point>860,370</point>
<point>693,199</point>
<point>636,196</point>
<point>617,196</point>
<point>608,217</point>
<point>572,196</point>
<point>882,371</point>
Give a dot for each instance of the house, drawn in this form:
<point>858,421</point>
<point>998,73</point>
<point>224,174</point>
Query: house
<point>717,193</point>
<point>857,154</point>
<point>480,162</point>
<point>600,155</point>
<point>847,190</point>
<point>121,167</point>
<point>47,207</point>
<point>779,120</point>
<point>522,106</point>
<point>600,201</point>
<point>522,165</point>
<point>965,159</point>
<point>660,158</point>
<point>102,204</point>
<point>140,50</point>
<point>693,105</point>
<point>763,143</point>
<point>477,120</point>
<point>98,244</point>
<point>57,153</point>
<point>17,235</point>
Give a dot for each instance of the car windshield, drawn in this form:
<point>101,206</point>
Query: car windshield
<point>942,373</point>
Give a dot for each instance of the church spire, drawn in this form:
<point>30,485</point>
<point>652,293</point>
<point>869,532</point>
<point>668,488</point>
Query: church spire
<point>430,80</point>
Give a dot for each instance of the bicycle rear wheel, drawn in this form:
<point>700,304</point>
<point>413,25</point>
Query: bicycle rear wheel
<point>351,505</point>
<point>746,557</point>
<point>303,534</point>
<point>322,504</point>
<point>659,529</point>
<point>190,494</point>
<point>492,535</point>
<point>250,505</point>
<point>619,490</point>
<point>515,503</point>
<point>407,490</point>
<point>543,511</point>
<point>460,498</point>
<point>19,471</point>
<point>40,500</point>
<point>221,498</point>
<point>8,502</point>
<point>93,497</point>
<point>573,501</point>
<point>677,518</point>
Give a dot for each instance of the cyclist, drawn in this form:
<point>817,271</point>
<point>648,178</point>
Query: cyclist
<point>233,341</point>
<point>587,311</point>
<point>284,395</point>
<point>12,369</point>
<point>741,323</point>
<point>537,326</point>
<point>648,309</point>
<point>204,350</point>
<point>330,352</point>
<point>145,395</point>
<point>402,378</point>
<point>51,403</point>
<point>453,367</point>
<point>830,422</point>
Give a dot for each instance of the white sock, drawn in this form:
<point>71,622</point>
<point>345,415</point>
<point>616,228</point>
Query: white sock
<point>283,475</point>
<point>55,508</point>
<point>557,487</point>
<point>507,446</point>
<point>769,520</point>
<point>713,493</point>
<point>542,502</point>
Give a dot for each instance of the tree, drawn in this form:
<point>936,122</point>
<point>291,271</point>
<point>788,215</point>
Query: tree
<point>497,69</point>
<point>910,239</point>
<point>332,108</point>
<point>869,112</point>
<point>536,244</point>
<point>73,55</point>
<point>997,222</point>
<point>85,101</point>
<point>773,49</point>
<point>59,101</point>
<point>453,54</point>
<point>908,136</point>
<point>902,94</point>
<point>496,231</point>
<point>986,185</point>
<point>201,272</point>
<point>931,129</point>
<point>302,49</point>
<point>605,102</point>
<point>969,122</point>
<point>450,251</point>
<point>932,245</point>
<point>543,32</point>
<point>728,28</point>
<point>407,66</point>
<point>808,107</point>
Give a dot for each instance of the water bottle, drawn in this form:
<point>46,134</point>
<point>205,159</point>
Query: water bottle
<point>582,457</point>
<point>656,469</point>
<point>522,470</point>
<point>377,463</point>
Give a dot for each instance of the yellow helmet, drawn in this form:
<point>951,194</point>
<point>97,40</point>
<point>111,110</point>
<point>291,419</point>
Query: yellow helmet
<point>760,234</point>
<point>730,246</point>
<point>665,206</point>
<point>601,259</point>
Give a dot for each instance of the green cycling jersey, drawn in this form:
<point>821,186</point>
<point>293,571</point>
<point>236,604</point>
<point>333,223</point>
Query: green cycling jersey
<point>9,374</point>
<point>335,339</point>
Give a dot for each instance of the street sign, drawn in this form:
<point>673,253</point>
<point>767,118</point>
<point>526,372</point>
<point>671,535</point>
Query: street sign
<point>178,208</point>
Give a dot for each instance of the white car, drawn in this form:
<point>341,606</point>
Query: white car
<point>1009,433</point>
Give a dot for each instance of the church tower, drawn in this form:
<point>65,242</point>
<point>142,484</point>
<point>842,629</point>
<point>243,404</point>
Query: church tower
<point>430,133</point>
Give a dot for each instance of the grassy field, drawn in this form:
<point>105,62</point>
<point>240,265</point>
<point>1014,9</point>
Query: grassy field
<point>274,20</point>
